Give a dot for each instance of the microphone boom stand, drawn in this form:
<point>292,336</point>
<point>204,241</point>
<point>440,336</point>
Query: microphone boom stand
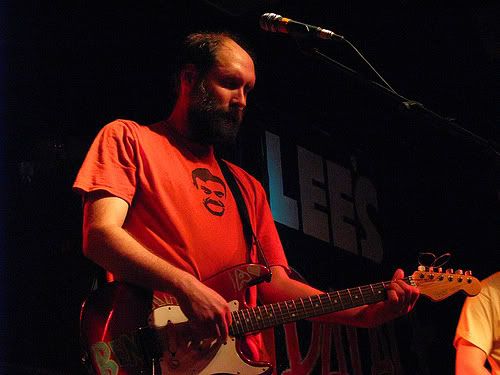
<point>448,125</point>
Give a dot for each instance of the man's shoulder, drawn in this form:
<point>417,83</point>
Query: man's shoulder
<point>122,125</point>
<point>491,285</point>
<point>119,128</point>
<point>129,129</point>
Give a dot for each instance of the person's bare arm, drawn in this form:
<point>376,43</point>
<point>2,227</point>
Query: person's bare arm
<point>401,299</point>
<point>470,359</point>
<point>106,243</point>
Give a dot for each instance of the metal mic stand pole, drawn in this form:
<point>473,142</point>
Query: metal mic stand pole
<point>448,125</point>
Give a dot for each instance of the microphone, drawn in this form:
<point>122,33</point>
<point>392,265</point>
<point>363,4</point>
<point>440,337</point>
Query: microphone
<point>277,24</point>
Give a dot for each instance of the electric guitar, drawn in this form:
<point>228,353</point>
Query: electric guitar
<point>123,326</point>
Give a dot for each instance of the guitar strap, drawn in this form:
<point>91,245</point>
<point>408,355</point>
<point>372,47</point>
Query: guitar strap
<point>250,236</point>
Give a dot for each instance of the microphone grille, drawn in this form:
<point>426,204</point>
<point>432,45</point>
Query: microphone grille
<point>270,22</point>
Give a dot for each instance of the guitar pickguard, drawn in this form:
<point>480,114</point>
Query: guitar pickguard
<point>184,356</point>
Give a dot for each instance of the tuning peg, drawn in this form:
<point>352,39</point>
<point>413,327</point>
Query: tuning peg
<point>459,272</point>
<point>440,269</point>
<point>431,269</point>
<point>468,273</point>
<point>449,270</point>
<point>421,268</point>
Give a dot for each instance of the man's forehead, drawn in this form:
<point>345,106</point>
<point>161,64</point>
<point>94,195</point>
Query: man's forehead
<point>232,55</point>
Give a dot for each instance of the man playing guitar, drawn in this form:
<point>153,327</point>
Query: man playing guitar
<point>159,213</point>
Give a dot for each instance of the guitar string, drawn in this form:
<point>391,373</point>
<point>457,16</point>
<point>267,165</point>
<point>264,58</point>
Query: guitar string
<point>323,305</point>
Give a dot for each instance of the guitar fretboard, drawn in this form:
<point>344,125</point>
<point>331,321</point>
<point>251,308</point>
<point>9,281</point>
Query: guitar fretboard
<point>265,316</point>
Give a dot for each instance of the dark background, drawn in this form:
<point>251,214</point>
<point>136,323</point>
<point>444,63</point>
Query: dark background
<point>67,69</point>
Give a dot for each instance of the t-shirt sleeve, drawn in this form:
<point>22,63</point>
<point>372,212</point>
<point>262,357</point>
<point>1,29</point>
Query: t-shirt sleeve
<point>475,324</point>
<point>110,164</point>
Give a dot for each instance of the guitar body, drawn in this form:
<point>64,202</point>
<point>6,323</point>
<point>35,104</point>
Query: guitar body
<point>114,339</point>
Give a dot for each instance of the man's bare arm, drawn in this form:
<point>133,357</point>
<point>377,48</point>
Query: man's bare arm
<point>470,359</point>
<point>106,243</point>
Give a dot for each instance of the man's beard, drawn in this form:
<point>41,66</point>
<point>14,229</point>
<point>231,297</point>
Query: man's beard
<point>209,123</point>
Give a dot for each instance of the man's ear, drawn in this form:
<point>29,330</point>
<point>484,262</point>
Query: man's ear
<point>189,75</point>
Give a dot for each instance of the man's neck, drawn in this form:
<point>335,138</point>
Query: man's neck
<point>179,130</point>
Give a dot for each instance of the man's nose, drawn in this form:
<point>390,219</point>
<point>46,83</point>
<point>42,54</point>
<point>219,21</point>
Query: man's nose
<point>240,98</point>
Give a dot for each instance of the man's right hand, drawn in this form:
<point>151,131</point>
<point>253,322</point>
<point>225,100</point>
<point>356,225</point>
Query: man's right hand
<point>207,311</point>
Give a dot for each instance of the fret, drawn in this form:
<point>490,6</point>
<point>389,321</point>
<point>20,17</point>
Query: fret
<point>345,298</point>
<point>362,296</point>
<point>377,293</point>
<point>331,303</point>
<point>241,320</point>
<point>317,304</point>
<point>306,302</point>
<point>373,292</point>
<point>248,328</point>
<point>272,316</point>
<point>295,312</point>
<point>350,297</point>
<point>236,324</point>
<point>248,318</point>
<point>380,290</point>
<point>311,307</point>
<point>329,298</point>
<point>287,313</point>
<point>258,316</point>
<point>255,319</point>
<point>304,311</point>
<point>339,299</point>
<point>291,309</point>
<point>325,303</point>
<point>369,295</point>
<point>268,317</point>
<point>244,321</point>
<point>280,315</point>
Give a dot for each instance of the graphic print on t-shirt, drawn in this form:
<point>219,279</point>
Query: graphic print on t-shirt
<point>213,190</point>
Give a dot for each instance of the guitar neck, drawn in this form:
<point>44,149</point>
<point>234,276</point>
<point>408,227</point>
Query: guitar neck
<point>266,316</point>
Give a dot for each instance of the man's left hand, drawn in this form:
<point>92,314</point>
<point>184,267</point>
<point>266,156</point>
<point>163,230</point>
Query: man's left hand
<point>401,297</point>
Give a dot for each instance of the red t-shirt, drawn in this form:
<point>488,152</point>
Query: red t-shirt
<point>180,206</point>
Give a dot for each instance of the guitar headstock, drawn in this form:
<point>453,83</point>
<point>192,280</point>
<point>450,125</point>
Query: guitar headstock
<point>438,285</point>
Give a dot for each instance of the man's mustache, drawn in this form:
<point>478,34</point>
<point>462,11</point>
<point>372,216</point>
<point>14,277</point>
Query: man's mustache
<point>237,113</point>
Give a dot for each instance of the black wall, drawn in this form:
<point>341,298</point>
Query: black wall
<point>70,68</point>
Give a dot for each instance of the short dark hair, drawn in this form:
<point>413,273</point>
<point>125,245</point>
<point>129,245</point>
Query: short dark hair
<point>200,49</point>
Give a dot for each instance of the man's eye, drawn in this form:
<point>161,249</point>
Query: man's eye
<point>220,194</point>
<point>230,83</point>
<point>206,190</point>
